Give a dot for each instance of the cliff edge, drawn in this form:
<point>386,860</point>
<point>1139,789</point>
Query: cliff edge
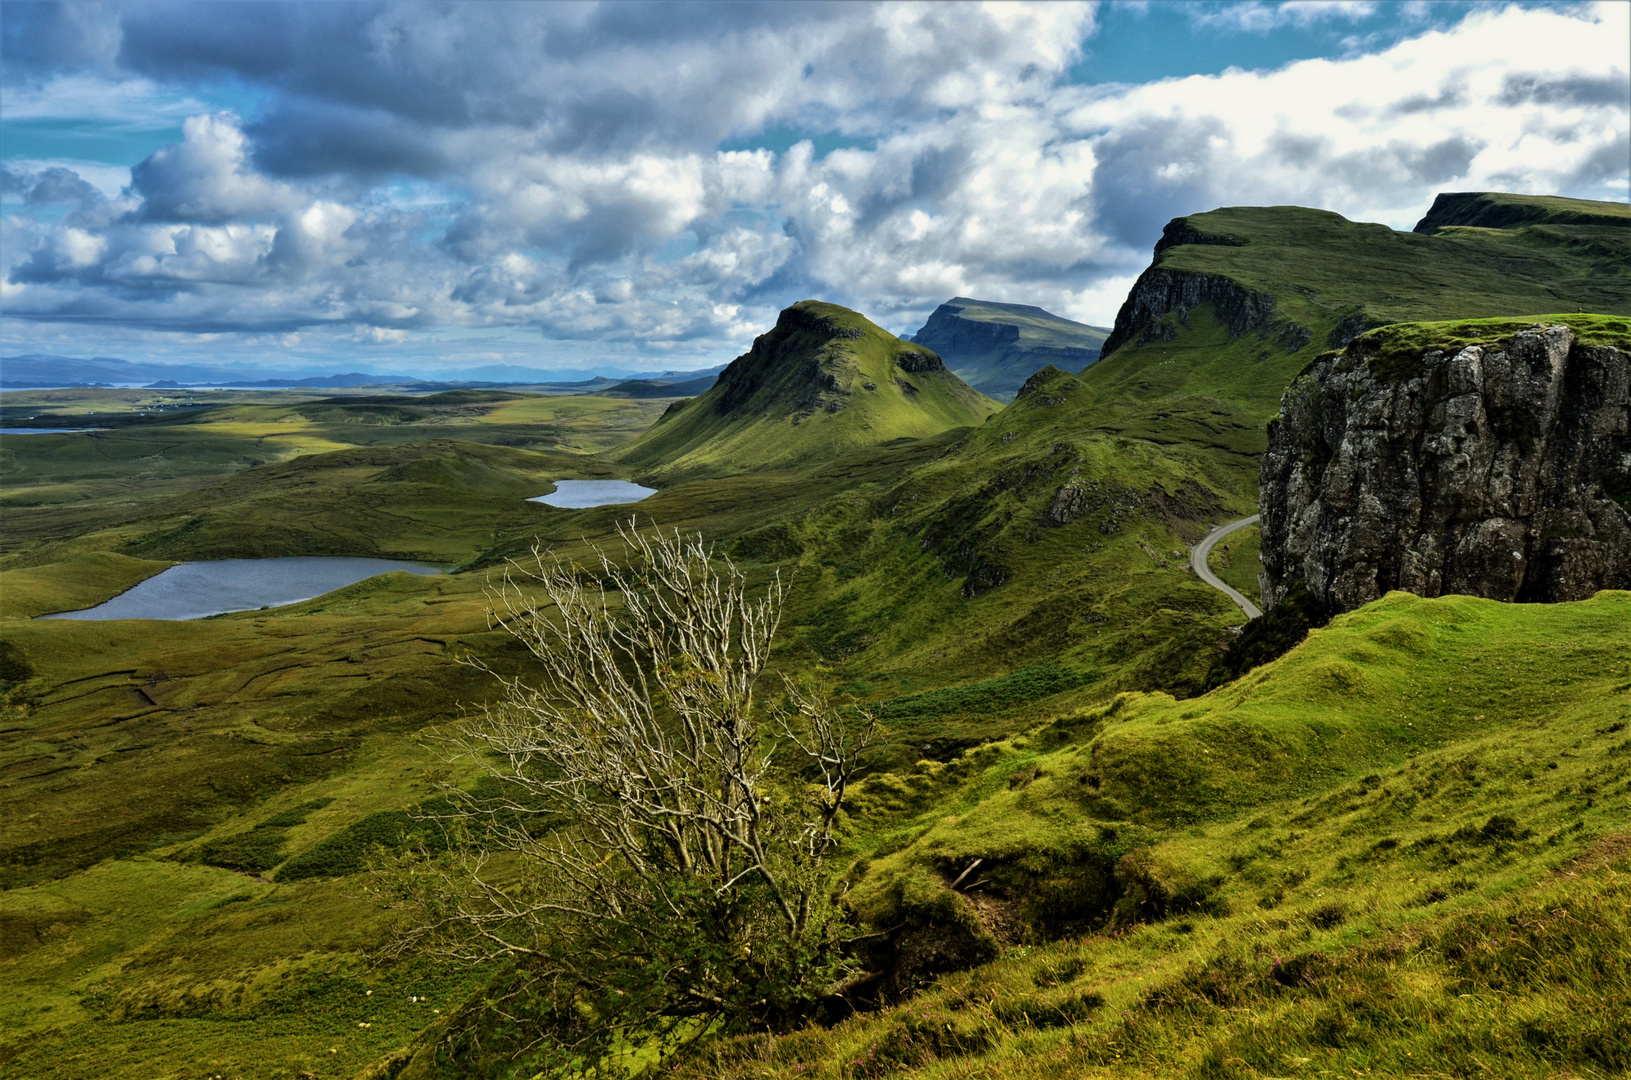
<point>1488,457</point>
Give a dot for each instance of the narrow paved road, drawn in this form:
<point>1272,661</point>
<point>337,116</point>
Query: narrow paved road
<point>1197,559</point>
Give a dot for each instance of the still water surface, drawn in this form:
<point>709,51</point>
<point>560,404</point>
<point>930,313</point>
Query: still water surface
<point>579,494</point>
<point>195,590</point>
<point>46,430</point>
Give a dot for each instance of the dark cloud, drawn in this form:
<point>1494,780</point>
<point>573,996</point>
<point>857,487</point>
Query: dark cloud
<point>59,185</point>
<point>40,40</point>
<point>924,178</point>
<point>1605,165</point>
<point>298,137</point>
<point>1149,172</point>
<point>1298,149</point>
<point>1539,89</point>
<point>1448,97</point>
<point>13,181</point>
<point>1439,162</point>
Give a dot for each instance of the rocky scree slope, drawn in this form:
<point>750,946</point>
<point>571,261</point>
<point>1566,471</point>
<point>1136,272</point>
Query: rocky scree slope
<point>995,347</point>
<point>825,381</point>
<point>1494,462</point>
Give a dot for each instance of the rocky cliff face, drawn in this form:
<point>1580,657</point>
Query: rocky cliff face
<point>1161,289</point>
<point>1500,470</point>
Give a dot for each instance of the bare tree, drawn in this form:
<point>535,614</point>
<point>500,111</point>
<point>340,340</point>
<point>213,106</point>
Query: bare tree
<point>659,852</point>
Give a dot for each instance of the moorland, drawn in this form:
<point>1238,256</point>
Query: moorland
<point>1398,845</point>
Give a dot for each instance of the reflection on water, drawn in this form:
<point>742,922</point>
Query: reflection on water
<point>579,494</point>
<point>195,590</point>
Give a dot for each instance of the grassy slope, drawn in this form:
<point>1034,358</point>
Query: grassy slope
<point>1497,209</point>
<point>1400,847</point>
<point>1037,328</point>
<point>1322,268</point>
<point>83,581</point>
<point>784,422</point>
<point>1235,560</point>
<point>1103,590</point>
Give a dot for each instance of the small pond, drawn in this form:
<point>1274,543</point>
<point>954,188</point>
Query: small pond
<point>46,430</point>
<point>198,589</point>
<point>579,494</point>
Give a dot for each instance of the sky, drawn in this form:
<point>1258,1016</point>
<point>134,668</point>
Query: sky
<point>437,188</point>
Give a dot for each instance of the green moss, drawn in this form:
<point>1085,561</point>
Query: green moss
<point>1394,353</point>
<point>1024,686</point>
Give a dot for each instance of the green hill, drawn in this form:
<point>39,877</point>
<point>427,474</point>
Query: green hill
<point>824,382</point>
<point>995,347</point>
<point>1237,300</point>
<point>1399,850</point>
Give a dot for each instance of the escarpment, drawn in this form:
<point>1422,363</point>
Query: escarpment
<point>1160,290</point>
<point>1499,468</point>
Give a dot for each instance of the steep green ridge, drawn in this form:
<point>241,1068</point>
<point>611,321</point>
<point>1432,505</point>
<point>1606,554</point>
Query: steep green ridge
<point>826,381</point>
<point>1239,299</point>
<point>995,347</point>
<point>1497,210</point>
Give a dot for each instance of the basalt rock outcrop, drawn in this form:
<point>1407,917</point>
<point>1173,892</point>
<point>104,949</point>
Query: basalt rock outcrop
<point>1500,470</point>
<point>1160,290</point>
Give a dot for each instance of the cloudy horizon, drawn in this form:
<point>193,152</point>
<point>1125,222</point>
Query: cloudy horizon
<point>431,188</point>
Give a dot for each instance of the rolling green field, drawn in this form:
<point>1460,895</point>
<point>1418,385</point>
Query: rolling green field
<point>1399,849</point>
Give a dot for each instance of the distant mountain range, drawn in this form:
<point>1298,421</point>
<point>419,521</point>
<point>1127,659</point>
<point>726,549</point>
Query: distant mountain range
<point>35,370</point>
<point>995,347</point>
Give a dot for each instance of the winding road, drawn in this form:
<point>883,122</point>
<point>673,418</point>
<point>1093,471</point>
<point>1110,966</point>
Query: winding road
<point>1197,560</point>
